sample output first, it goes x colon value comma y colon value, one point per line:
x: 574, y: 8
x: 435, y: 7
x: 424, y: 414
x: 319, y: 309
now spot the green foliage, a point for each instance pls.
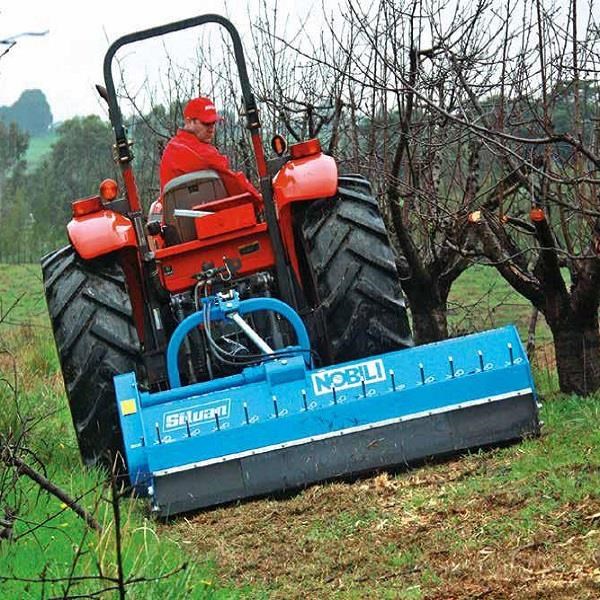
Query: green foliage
x: 13, y: 208
x: 13, y: 145
x: 150, y: 132
x: 40, y: 199
x: 79, y: 160
x: 31, y: 112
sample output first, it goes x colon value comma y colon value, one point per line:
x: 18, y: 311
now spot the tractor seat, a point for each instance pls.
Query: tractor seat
x: 187, y: 191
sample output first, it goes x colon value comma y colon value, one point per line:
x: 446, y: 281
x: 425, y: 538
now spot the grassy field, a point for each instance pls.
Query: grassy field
x: 38, y: 147
x: 518, y: 522
x: 31, y: 385
x: 480, y: 300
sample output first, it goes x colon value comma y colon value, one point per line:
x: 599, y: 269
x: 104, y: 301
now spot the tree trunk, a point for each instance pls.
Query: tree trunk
x: 430, y: 323
x: 577, y: 348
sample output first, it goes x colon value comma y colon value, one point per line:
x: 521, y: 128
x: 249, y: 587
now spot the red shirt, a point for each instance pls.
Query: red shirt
x: 185, y: 153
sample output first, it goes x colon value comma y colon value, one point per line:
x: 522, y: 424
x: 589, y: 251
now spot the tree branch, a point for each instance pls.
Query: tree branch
x: 10, y: 459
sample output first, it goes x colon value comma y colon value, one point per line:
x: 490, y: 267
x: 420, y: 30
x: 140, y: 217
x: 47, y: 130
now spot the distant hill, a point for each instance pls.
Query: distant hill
x: 31, y: 112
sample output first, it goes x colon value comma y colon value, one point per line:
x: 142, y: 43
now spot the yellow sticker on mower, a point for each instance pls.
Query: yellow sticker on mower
x: 128, y: 407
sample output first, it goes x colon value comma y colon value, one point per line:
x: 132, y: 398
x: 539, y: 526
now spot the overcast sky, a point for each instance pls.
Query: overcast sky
x: 67, y: 62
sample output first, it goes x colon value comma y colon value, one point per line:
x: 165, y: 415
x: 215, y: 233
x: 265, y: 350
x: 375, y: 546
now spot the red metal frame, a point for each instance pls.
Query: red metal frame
x: 131, y: 187
x: 128, y: 259
x: 310, y: 178
x: 250, y: 246
x: 235, y: 228
x: 98, y: 233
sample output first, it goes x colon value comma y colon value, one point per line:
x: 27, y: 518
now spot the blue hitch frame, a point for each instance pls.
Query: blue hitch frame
x: 220, y: 308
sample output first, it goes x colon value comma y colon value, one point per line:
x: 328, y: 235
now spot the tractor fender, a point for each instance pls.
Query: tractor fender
x: 312, y: 177
x: 306, y: 178
x: 100, y: 233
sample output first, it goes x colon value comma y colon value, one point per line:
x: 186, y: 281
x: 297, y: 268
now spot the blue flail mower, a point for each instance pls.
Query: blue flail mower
x: 282, y: 425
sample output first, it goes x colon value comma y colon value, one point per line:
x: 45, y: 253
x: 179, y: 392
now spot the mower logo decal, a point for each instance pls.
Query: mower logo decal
x: 347, y: 377
x: 197, y: 414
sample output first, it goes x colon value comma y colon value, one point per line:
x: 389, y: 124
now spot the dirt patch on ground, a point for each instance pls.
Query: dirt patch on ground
x: 413, y: 535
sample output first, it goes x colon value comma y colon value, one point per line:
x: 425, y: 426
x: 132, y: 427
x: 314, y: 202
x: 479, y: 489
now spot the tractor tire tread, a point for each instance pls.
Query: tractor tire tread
x: 347, y: 250
x: 359, y: 197
x: 364, y: 221
x: 96, y: 339
x: 63, y: 266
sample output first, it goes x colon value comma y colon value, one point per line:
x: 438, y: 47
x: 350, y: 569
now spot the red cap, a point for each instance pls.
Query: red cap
x: 202, y: 109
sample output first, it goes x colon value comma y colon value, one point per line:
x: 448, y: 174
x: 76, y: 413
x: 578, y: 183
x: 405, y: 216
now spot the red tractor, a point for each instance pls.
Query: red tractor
x: 315, y: 240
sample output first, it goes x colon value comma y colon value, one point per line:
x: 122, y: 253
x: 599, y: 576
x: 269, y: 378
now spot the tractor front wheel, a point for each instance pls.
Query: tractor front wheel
x: 347, y: 254
x: 96, y: 339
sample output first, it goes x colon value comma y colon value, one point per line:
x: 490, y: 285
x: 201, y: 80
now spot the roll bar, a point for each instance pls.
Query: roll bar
x: 116, y: 119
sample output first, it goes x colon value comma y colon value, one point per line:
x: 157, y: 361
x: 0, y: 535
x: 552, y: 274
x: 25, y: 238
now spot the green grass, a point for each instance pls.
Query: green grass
x: 33, y: 403
x: 480, y: 299
x: 39, y: 147
x: 21, y: 297
x: 404, y: 558
x: 482, y: 524
x: 541, y: 475
x: 343, y: 525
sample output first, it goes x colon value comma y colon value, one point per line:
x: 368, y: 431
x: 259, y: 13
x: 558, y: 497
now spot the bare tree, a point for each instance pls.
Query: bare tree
x: 301, y: 96
x: 489, y: 115
x: 401, y: 90
x: 544, y: 132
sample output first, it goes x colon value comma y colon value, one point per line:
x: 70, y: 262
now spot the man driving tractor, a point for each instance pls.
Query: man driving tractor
x: 191, y: 149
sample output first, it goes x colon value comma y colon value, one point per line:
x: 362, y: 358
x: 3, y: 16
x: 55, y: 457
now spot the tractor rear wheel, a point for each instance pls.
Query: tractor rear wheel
x: 96, y: 339
x: 348, y: 256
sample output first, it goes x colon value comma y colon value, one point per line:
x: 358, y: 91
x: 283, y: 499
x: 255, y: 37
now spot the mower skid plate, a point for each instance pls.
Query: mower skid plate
x: 281, y: 426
